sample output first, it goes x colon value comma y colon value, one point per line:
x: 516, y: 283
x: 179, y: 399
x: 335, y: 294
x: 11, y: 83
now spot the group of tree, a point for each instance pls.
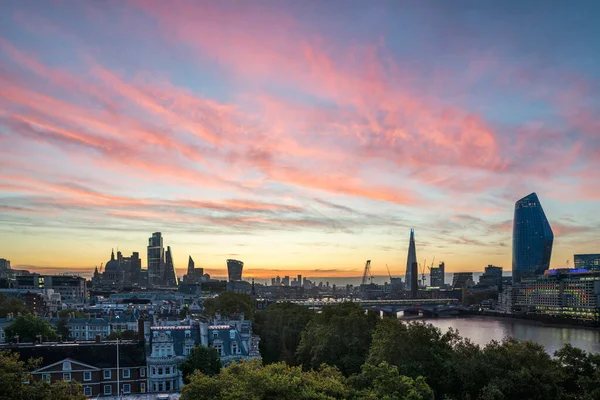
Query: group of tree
x: 229, y: 303
x: 12, y: 305
x: 253, y: 381
x: 30, y: 328
x: 16, y: 383
x: 355, y: 342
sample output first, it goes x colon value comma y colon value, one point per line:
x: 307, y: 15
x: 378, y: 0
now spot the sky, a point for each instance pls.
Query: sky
x: 297, y: 136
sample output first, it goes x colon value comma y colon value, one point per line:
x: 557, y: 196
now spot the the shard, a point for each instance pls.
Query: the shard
x: 532, y: 239
x: 412, y: 269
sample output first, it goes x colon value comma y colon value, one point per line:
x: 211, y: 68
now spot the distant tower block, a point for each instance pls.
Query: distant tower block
x: 234, y: 270
x: 412, y: 259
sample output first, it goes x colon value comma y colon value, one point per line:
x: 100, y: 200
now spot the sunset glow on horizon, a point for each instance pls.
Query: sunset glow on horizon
x: 299, y: 137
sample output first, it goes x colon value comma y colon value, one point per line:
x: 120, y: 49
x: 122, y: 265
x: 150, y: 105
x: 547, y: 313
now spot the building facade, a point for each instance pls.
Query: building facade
x: 590, y: 262
x: 234, y: 270
x: 532, y: 239
x: 119, y: 272
x: 411, y: 261
x: 563, y: 292
x: 72, y: 288
x: 492, y: 277
x: 94, y: 365
x: 156, y: 259
x: 437, y: 276
x: 461, y: 280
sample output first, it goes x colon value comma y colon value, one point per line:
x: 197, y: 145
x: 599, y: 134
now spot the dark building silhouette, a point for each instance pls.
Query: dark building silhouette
x: 156, y: 259
x: 234, y: 270
x: 170, y: 278
x: 491, y: 277
x: 414, y: 280
x: 590, y: 262
x: 437, y: 278
x: 532, y: 239
x: 191, y: 267
x: 461, y: 280
x: 412, y: 259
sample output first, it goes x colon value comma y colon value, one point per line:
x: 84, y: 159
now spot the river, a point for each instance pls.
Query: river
x: 481, y: 330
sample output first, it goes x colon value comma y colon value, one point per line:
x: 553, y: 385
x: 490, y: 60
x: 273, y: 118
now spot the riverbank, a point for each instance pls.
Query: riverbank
x: 540, y: 320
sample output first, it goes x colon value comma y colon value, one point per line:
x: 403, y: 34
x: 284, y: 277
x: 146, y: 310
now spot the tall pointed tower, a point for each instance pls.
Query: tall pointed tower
x: 191, y: 266
x: 411, y: 262
x: 170, y: 276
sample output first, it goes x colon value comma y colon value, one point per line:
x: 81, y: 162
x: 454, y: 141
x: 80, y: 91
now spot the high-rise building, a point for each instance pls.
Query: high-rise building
x: 5, y: 270
x: 532, y: 239
x: 156, y: 259
x: 191, y: 264
x: 299, y: 280
x: 170, y: 278
x: 278, y: 280
x: 234, y: 270
x: 411, y: 261
x: 491, y: 277
x: 286, y: 281
x: 461, y: 280
x: 591, y: 262
x: 437, y: 277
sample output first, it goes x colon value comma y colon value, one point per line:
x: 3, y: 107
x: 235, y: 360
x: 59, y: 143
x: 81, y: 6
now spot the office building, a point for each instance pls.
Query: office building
x: 562, y: 292
x: 72, y: 288
x: 156, y: 260
x: 286, y: 281
x: 234, y: 270
x: 460, y: 280
x: 532, y: 239
x: 491, y: 278
x: 437, y: 277
x: 5, y: 270
x: 170, y: 278
x: 590, y: 262
x: 412, y: 269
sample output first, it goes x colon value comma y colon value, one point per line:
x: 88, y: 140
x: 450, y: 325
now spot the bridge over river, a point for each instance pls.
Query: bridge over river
x: 427, y: 307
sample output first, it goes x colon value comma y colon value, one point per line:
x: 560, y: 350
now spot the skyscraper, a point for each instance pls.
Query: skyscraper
x: 412, y: 259
x: 170, y: 278
x: 156, y: 259
x: 191, y: 265
x: 532, y: 239
x: 437, y: 275
x: 234, y: 270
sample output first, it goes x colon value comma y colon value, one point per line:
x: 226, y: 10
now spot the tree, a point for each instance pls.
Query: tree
x: 124, y: 335
x: 280, y: 329
x: 581, y: 373
x: 228, y: 303
x: 418, y: 349
x: 340, y: 336
x: 203, y: 359
x: 385, y: 382
x: 29, y: 327
x: 250, y: 380
x: 11, y: 305
x: 13, y: 374
x: 62, y: 329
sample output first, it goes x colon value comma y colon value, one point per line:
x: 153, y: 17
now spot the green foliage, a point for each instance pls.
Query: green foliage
x: 340, y: 336
x: 417, y: 349
x: 66, y: 313
x: 581, y: 373
x: 124, y: 335
x: 249, y: 380
x: 385, y: 382
x: 28, y: 327
x: 62, y: 329
x: 13, y: 374
x: 11, y: 305
x: 280, y: 328
x: 228, y: 303
x: 203, y: 359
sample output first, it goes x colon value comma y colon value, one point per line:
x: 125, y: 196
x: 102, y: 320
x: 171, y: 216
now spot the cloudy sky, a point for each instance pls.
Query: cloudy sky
x: 299, y: 136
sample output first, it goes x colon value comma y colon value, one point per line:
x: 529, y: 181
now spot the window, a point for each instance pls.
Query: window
x: 127, y: 388
x: 87, y: 376
x: 46, y: 377
x: 67, y: 377
x: 153, y: 371
x: 107, y: 389
x: 215, y: 335
x: 160, y: 371
x: 126, y: 373
x: 107, y: 374
x: 187, y: 350
x: 219, y: 348
x: 234, y: 348
x: 142, y: 372
x: 87, y: 391
x: 143, y: 387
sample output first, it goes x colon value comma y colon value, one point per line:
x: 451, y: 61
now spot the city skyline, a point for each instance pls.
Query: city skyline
x: 296, y: 143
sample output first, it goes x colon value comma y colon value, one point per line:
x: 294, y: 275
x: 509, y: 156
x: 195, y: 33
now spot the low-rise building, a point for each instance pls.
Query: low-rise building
x: 94, y: 365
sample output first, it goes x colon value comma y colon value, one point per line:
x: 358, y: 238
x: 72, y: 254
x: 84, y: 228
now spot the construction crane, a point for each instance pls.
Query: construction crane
x: 388, y: 269
x: 367, y: 273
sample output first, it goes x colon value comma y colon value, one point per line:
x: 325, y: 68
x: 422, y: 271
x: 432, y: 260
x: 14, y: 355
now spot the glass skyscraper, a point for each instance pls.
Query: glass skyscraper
x: 532, y: 239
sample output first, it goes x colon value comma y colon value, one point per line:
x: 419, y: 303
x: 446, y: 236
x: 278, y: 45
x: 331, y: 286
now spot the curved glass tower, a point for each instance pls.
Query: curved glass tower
x: 532, y: 239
